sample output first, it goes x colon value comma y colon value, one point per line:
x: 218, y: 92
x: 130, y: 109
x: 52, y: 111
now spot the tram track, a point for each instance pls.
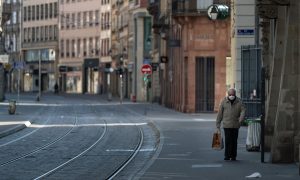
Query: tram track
x: 44, y: 146
x: 28, y: 134
x: 62, y: 165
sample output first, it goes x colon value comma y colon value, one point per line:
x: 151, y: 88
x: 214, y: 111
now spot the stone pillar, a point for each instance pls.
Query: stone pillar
x: 1, y: 83
x: 282, y: 150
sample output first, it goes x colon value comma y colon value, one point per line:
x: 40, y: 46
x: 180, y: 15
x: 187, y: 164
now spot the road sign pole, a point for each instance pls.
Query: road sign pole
x: 19, y: 74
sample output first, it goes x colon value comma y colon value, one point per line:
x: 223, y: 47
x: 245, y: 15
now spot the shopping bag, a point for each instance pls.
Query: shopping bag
x: 217, y: 142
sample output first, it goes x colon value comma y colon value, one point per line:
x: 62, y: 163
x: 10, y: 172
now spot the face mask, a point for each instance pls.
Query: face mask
x: 231, y: 97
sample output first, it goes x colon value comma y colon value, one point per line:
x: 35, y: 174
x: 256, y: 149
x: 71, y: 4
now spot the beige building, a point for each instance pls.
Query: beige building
x: 119, y: 47
x: 82, y: 46
x: 39, y: 43
x: 280, y: 36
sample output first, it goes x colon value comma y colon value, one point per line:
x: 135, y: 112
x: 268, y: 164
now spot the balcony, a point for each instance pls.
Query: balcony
x: 153, y: 7
x: 190, y: 7
x: 6, y: 12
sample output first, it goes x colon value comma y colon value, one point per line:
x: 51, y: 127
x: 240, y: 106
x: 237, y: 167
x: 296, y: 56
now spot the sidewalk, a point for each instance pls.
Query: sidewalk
x: 185, y: 151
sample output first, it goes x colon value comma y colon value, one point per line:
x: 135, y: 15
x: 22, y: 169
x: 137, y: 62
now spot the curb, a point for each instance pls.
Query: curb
x: 13, y: 130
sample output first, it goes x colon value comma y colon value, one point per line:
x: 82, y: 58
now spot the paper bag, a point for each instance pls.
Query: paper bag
x: 217, y: 142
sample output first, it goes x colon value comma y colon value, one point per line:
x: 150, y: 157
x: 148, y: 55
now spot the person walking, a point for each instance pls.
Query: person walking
x: 231, y: 114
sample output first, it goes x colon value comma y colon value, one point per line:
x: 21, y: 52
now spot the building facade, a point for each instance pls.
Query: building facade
x: 280, y: 58
x: 12, y: 45
x: 193, y: 54
x: 39, y: 44
x: 105, y: 38
x: 80, y: 46
x: 141, y: 42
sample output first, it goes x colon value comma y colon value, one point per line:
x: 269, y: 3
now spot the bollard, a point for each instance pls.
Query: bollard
x: 12, y: 107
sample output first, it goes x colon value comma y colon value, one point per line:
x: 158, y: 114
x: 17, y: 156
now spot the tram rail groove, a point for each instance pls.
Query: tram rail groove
x: 28, y: 134
x: 76, y: 157
x: 44, y: 146
x: 133, y: 155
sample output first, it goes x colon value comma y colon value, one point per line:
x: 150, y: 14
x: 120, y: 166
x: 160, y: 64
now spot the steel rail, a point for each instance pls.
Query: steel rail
x: 133, y: 155
x: 44, y: 146
x: 76, y: 157
x: 28, y: 134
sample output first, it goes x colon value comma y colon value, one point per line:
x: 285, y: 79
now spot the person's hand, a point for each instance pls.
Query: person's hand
x: 218, y: 130
x: 240, y: 120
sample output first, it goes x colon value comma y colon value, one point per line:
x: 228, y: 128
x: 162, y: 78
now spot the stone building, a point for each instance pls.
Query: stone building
x: 80, y: 45
x: 12, y: 45
x: 193, y: 50
x: 39, y: 44
x: 280, y: 24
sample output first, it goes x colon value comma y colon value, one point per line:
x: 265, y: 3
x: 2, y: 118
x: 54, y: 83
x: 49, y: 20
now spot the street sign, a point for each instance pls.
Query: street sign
x: 146, y: 69
x: 245, y: 31
x: 154, y: 66
x: 19, y: 65
x: 3, y: 59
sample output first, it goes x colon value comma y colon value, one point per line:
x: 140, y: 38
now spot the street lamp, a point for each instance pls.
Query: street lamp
x: 218, y: 12
x: 212, y: 12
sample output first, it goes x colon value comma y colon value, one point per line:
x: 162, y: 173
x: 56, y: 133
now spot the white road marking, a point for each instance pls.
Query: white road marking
x: 129, y: 150
x: 204, y: 120
x: 207, y: 165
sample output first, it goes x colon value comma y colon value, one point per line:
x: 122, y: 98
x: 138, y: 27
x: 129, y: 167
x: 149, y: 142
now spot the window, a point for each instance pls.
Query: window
x: 97, y: 46
x: 55, y: 29
x: 73, y: 20
x: 55, y: 9
x: 42, y: 33
x: 37, y: 12
x: 29, y: 13
x: 90, y: 46
x: 62, y: 48
x: 25, y: 35
x: 28, y: 34
x: 33, y: 34
x: 67, y: 48
x: 84, y: 47
x: 33, y: 12
x: 79, y: 20
x: 68, y: 21
x: 51, y: 10
x: 97, y: 18
x: 42, y: 11
x: 84, y: 19
x: 73, y: 47
x: 46, y: 11
x: 14, y: 43
x: 37, y: 34
x: 14, y: 17
x: 50, y: 32
x: 46, y: 33
x: 25, y: 13
x: 62, y: 21
x: 78, y: 47
x: 91, y: 19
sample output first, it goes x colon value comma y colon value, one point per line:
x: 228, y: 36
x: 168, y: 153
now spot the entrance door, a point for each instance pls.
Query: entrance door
x: 205, y: 84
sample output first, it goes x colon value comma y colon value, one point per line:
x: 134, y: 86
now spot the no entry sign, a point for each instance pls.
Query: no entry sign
x: 146, y: 69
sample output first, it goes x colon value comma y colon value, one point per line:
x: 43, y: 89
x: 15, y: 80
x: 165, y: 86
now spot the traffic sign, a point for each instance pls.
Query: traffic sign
x: 146, y: 69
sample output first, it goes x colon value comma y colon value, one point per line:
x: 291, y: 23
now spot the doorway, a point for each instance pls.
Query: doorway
x: 205, y: 84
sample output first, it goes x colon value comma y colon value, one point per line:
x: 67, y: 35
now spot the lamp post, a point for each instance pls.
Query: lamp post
x: 218, y: 11
x: 39, y: 93
x: 121, y: 79
x: 214, y: 13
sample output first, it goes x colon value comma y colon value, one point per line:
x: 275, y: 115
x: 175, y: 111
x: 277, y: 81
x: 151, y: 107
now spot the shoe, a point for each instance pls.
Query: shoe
x: 226, y: 159
x: 233, y: 159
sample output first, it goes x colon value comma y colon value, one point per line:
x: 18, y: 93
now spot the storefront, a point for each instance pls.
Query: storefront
x: 46, y: 57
